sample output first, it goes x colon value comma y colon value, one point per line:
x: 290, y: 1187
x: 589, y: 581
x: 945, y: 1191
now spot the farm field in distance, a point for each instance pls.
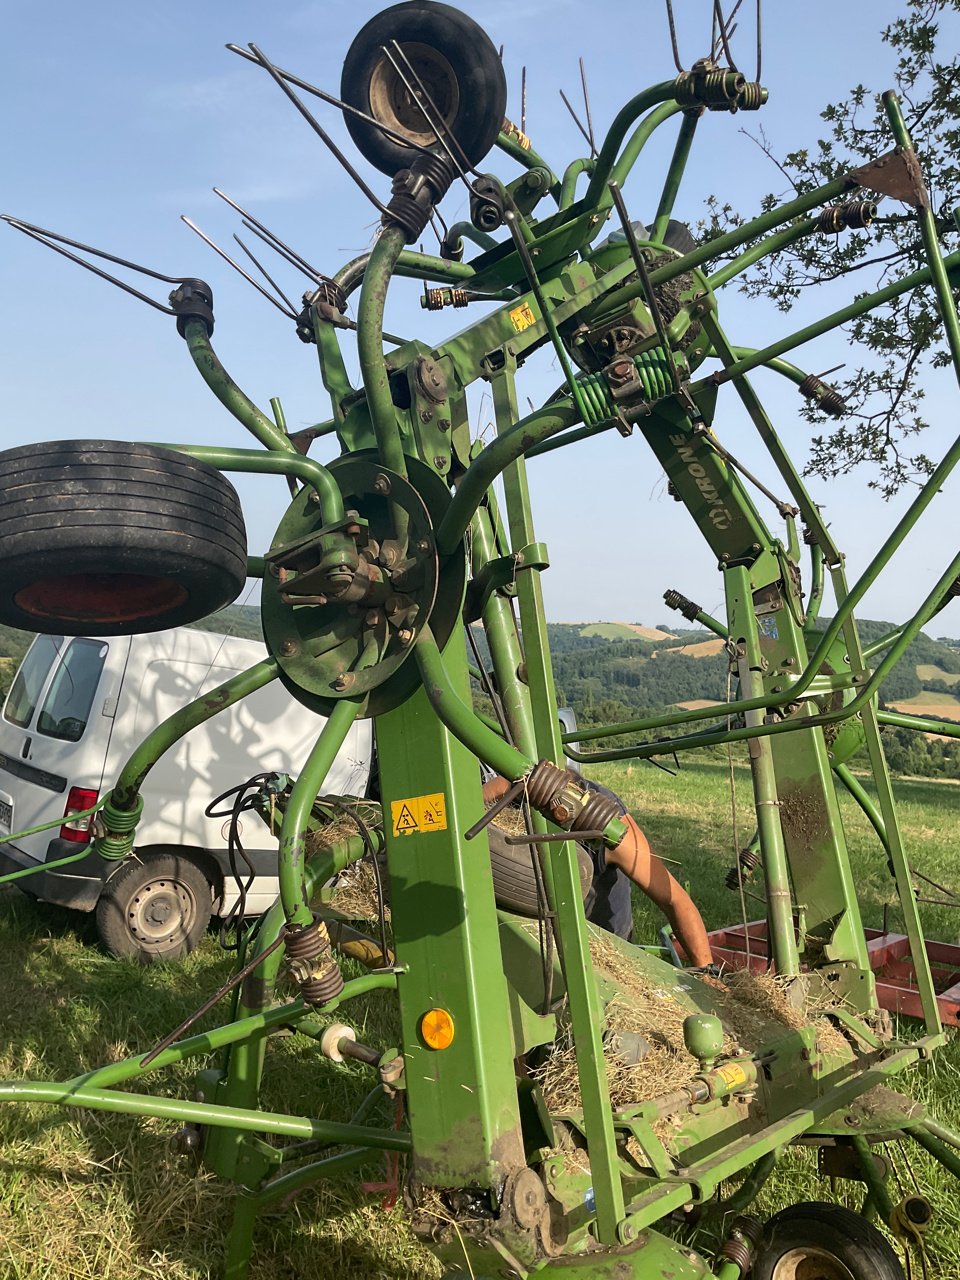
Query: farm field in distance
x: 100, y: 1197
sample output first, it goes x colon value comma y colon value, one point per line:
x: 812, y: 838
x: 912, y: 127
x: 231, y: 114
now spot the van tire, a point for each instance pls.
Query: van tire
x: 103, y: 537
x: 514, y: 882
x: 154, y: 909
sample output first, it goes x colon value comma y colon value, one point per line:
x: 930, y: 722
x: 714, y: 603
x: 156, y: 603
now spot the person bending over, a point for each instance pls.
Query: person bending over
x: 608, y: 902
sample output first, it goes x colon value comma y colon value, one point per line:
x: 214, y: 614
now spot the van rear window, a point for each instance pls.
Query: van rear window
x: 30, y: 679
x: 66, y: 708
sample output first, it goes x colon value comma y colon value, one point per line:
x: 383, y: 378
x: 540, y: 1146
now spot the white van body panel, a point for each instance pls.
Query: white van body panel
x: 145, y: 679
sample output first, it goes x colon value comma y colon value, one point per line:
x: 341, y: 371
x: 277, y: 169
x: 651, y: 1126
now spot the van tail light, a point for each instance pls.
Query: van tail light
x: 78, y: 829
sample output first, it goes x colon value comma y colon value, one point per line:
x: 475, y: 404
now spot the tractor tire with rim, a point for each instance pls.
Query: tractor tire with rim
x: 514, y: 882
x: 459, y: 66
x: 821, y: 1241
x: 101, y: 537
x: 154, y: 909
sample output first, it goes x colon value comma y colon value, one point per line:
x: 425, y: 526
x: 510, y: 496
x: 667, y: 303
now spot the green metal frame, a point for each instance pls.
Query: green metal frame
x: 474, y: 1125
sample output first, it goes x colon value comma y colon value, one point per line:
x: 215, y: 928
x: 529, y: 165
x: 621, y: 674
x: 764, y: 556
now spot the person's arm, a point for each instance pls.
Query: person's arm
x: 640, y: 864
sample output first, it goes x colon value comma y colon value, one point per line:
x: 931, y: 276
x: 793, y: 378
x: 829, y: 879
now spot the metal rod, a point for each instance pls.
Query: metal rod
x: 678, y: 164
x: 266, y: 274
x: 269, y: 236
x: 288, y: 311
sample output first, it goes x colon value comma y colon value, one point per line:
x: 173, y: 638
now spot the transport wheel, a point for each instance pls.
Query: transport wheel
x: 106, y: 538
x: 155, y: 909
x: 514, y: 882
x: 820, y: 1241
x: 458, y: 66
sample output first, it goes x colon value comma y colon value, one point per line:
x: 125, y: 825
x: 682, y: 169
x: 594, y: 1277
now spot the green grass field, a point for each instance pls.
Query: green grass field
x: 88, y: 1196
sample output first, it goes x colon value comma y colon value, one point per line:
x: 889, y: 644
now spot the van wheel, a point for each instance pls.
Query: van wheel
x: 104, y: 538
x: 155, y: 909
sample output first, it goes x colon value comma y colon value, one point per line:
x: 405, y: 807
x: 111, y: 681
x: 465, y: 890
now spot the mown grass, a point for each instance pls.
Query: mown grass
x: 91, y: 1196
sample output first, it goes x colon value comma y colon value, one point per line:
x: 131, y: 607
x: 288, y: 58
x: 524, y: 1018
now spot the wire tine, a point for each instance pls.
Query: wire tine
x: 523, y: 99
x: 576, y: 120
x: 673, y: 37
x: 34, y: 234
x: 759, y: 39
x: 724, y: 35
x: 322, y: 94
x: 586, y: 104
x: 291, y: 314
x: 318, y: 129
x: 439, y: 129
x: 270, y: 236
x: 264, y: 272
x: 38, y: 232
x: 315, y: 278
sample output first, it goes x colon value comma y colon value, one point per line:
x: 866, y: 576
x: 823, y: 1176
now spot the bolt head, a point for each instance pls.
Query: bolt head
x: 381, y: 484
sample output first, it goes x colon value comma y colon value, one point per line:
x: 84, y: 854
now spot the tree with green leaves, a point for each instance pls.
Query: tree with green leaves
x: 902, y: 339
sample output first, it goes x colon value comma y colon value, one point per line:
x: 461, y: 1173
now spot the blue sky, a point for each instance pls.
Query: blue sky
x: 122, y: 116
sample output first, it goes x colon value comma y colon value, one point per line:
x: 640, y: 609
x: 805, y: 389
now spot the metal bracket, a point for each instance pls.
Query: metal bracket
x: 897, y: 174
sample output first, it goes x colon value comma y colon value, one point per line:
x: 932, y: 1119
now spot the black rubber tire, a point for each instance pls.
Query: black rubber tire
x: 474, y: 114
x: 154, y: 909
x: 102, y: 537
x: 833, y: 1235
x: 514, y: 882
x: 679, y: 236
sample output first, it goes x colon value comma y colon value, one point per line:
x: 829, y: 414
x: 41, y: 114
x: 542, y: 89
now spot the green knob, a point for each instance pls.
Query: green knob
x: 703, y: 1036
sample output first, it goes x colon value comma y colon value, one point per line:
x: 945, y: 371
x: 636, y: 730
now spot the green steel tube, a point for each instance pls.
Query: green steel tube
x: 163, y: 737
x: 306, y: 469
x: 203, y: 1113
x: 415, y: 266
x: 942, y: 1132
x: 876, y: 1185
x: 568, y: 187
x: 729, y: 1271
x: 751, y: 1186
x: 878, y: 646
x: 466, y: 230
x: 763, y: 355
x: 712, y: 624
x: 287, y: 1184
x: 678, y: 164
x: 293, y: 832
x: 460, y: 719
x: 227, y: 391
x: 758, y: 226
x: 899, y: 720
x: 771, y: 244
x: 863, y: 800
x: 866, y: 692
x: 631, y: 152
x: 373, y: 369
x: 618, y: 131
x: 24, y: 872
x: 498, y: 455
x: 501, y: 631
x: 941, y: 1152
x: 526, y: 156
x: 783, y: 367
x: 817, y: 583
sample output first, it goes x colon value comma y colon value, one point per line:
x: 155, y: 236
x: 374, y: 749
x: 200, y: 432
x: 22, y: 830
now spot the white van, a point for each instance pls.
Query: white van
x: 78, y: 707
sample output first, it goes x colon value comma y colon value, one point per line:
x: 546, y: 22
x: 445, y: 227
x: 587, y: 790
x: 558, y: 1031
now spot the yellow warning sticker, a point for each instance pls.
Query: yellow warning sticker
x: 522, y: 317
x: 419, y: 813
x: 732, y: 1075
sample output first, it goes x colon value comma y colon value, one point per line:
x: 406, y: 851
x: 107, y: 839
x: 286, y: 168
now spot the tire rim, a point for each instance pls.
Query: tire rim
x: 161, y: 914
x: 392, y: 103
x: 811, y: 1263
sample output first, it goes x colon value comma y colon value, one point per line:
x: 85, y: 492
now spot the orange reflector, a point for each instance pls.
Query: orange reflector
x: 436, y: 1027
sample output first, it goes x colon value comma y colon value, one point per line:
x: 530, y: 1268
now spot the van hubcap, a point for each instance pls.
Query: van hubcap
x: 161, y: 913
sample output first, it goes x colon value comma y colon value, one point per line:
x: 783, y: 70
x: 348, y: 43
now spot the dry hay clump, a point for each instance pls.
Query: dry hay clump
x: 355, y: 893
x: 745, y: 1003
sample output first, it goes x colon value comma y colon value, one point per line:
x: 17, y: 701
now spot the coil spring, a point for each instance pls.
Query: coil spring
x: 437, y: 299
x: 119, y: 828
x: 674, y: 600
x: 752, y: 96
x: 416, y: 190
x: 304, y: 946
x: 655, y: 378
x: 554, y: 792
x: 823, y: 395
x: 855, y: 215
x: 747, y: 863
x: 741, y: 1244
x: 330, y: 292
